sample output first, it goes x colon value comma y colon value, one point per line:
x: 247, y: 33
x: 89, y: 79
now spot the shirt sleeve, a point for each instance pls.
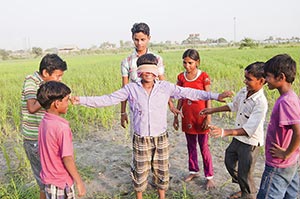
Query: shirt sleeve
x: 289, y: 112
x: 206, y: 79
x: 160, y: 65
x: 125, y: 68
x: 105, y: 100
x: 192, y: 94
x: 66, y: 144
x: 234, y: 105
x: 30, y: 89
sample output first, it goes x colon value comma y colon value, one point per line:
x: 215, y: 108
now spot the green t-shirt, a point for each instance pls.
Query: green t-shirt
x: 31, y: 122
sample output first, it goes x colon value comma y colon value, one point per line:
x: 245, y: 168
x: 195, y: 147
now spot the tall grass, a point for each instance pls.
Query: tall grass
x: 98, y: 75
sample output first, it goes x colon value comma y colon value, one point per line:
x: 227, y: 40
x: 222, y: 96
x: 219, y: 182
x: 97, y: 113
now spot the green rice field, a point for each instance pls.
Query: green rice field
x: 100, y: 74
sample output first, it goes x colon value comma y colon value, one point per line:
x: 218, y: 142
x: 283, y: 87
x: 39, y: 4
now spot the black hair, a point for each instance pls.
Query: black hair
x: 52, y: 62
x: 256, y: 69
x: 191, y: 53
x: 51, y: 91
x: 140, y: 27
x: 282, y: 63
x: 147, y: 58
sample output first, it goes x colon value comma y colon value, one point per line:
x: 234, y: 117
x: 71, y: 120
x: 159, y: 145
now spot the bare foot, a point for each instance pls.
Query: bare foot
x: 210, y: 184
x: 235, y: 195
x: 191, y: 177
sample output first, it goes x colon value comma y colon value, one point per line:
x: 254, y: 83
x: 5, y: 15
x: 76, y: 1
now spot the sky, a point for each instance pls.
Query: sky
x: 86, y: 23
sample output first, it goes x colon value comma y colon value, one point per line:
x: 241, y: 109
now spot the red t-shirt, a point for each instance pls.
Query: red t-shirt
x: 192, y: 121
x: 55, y: 142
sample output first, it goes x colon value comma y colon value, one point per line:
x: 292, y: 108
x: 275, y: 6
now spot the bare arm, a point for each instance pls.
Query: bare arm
x: 71, y: 168
x: 124, y: 117
x: 219, y: 132
x: 215, y: 110
x: 282, y: 153
x: 207, y: 120
x: 176, y: 121
x: 33, y: 105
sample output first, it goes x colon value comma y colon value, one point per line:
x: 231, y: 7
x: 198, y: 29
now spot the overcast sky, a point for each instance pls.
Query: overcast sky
x: 56, y: 23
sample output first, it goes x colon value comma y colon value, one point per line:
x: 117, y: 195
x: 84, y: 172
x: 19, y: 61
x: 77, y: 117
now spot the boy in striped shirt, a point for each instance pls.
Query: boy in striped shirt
x: 51, y: 68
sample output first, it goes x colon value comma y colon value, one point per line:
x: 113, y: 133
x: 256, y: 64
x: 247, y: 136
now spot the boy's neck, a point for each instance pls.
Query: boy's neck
x: 284, y: 88
x: 54, y: 112
x: 148, y: 86
x: 141, y: 52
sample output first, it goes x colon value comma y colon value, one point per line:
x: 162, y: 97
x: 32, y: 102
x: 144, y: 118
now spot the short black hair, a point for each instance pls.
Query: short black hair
x: 52, y: 62
x: 282, y: 63
x: 147, y: 58
x: 256, y: 69
x: 140, y: 27
x: 51, y: 91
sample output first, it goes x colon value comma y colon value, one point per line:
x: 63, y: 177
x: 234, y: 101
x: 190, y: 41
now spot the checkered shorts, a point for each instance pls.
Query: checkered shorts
x: 54, y: 192
x: 150, y: 153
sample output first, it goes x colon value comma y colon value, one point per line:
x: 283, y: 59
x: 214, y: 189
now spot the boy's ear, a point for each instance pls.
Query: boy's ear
x: 282, y: 77
x: 263, y: 81
x: 45, y: 73
x: 56, y: 104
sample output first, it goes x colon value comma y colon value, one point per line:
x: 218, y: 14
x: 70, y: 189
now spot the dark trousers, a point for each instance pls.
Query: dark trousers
x: 240, y: 159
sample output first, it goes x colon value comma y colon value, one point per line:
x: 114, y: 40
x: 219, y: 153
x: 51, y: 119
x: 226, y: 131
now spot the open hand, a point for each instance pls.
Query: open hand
x: 74, y: 100
x: 223, y: 95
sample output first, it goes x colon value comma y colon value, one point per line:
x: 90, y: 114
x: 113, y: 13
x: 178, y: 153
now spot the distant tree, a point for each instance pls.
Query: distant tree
x: 37, y: 51
x: 221, y: 40
x: 248, y: 42
x: 4, y: 54
x: 192, y: 39
x: 51, y: 50
x: 107, y: 45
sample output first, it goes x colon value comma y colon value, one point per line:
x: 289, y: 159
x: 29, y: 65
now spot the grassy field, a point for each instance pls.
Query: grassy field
x: 98, y: 75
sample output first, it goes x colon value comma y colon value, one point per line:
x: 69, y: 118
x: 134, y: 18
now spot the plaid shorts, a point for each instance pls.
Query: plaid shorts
x: 150, y: 153
x: 54, y: 192
x: 32, y: 151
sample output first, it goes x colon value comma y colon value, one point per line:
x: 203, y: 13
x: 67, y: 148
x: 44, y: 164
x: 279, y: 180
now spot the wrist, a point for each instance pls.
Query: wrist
x: 123, y: 113
x: 222, y: 132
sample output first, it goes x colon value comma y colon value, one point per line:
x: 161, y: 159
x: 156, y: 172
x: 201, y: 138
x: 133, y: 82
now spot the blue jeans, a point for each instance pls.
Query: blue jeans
x: 279, y: 183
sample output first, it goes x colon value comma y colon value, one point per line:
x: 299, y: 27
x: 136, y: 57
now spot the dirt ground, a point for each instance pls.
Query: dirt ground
x: 107, y: 155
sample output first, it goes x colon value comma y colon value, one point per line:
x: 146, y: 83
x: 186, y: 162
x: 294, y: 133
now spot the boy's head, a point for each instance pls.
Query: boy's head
x: 140, y: 36
x: 254, y: 77
x: 281, y: 66
x: 256, y: 69
x: 140, y: 27
x: 52, y: 67
x: 54, y: 95
x: 147, y: 63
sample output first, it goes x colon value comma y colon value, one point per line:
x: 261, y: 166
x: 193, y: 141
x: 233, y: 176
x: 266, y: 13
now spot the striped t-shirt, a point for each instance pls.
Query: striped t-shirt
x: 31, y: 122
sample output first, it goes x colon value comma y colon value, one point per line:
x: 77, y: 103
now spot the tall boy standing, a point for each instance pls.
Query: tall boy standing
x: 55, y: 144
x: 280, y: 178
x: 250, y: 105
x: 141, y: 38
x: 52, y: 67
x: 148, y: 101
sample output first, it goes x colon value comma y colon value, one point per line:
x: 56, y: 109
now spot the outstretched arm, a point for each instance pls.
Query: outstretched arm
x: 208, y: 111
x: 220, y: 132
